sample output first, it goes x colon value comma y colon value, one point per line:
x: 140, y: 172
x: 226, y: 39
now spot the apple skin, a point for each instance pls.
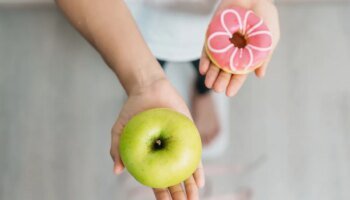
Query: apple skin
x: 167, y: 164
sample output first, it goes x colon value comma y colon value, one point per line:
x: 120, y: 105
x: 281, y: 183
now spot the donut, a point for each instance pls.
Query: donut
x: 238, y: 41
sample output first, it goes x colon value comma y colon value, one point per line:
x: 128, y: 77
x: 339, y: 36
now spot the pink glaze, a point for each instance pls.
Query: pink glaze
x: 230, y: 57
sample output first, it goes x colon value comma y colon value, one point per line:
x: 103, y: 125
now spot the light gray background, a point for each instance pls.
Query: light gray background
x: 290, y: 132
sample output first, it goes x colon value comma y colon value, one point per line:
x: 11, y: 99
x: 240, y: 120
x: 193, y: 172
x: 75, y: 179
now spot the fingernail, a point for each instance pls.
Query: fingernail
x: 117, y: 170
x: 262, y: 75
x: 231, y: 94
x: 201, y: 72
x: 201, y: 184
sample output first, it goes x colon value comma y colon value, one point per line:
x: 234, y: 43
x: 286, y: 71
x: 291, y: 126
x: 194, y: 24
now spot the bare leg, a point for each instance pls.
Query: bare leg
x: 203, y: 109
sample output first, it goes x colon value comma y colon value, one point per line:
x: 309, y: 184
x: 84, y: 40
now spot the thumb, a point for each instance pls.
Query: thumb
x: 261, y: 71
x: 116, y: 132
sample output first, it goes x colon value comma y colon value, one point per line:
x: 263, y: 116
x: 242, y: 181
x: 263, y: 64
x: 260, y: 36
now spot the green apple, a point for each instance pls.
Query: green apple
x: 160, y: 147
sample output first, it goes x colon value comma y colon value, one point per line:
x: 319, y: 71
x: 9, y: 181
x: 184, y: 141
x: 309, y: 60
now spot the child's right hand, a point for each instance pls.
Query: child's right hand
x: 158, y: 94
x: 221, y: 81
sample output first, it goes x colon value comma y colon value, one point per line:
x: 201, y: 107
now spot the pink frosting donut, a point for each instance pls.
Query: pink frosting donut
x: 238, y: 41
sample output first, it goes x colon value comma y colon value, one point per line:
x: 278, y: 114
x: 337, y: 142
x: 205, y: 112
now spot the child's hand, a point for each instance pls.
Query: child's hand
x: 221, y: 81
x: 158, y: 94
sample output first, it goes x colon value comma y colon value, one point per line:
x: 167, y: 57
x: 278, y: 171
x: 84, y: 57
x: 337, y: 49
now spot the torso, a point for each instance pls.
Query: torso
x: 174, y: 29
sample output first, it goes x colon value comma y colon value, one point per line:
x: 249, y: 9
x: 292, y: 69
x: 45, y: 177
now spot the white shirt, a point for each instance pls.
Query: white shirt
x: 173, y: 29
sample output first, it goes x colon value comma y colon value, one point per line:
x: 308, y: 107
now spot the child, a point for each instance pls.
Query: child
x: 174, y: 31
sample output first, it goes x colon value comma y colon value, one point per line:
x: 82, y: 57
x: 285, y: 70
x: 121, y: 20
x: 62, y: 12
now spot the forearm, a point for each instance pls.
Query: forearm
x: 110, y: 28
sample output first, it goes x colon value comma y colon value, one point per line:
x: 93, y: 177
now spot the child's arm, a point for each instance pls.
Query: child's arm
x: 221, y: 81
x: 110, y: 28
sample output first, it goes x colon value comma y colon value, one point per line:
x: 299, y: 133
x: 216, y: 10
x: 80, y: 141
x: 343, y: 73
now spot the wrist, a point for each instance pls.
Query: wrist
x: 142, y: 76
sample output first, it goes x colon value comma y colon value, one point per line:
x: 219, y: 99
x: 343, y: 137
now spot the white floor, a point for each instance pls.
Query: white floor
x: 290, y: 132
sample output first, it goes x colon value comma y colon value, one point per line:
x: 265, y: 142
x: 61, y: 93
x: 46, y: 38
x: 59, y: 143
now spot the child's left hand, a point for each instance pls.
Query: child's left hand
x: 221, y: 81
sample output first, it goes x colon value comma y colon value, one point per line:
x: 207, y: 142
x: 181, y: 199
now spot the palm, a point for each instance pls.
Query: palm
x: 159, y: 94
x: 221, y: 81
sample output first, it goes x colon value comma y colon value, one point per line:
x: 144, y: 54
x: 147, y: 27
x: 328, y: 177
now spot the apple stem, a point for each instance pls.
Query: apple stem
x: 159, y: 142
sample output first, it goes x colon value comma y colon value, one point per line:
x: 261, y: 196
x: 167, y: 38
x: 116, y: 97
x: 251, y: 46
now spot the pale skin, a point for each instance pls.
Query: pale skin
x: 110, y: 28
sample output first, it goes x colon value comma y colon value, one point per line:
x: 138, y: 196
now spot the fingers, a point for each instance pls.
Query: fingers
x: 235, y: 84
x: 204, y: 63
x: 191, y: 186
x: 211, y: 76
x: 116, y: 132
x: 222, y: 81
x: 118, y: 166
x: 161, y: 194
x: 261, y: 71
x: 199, y: 176
x: 177, y: 193
x: 191, y: 189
